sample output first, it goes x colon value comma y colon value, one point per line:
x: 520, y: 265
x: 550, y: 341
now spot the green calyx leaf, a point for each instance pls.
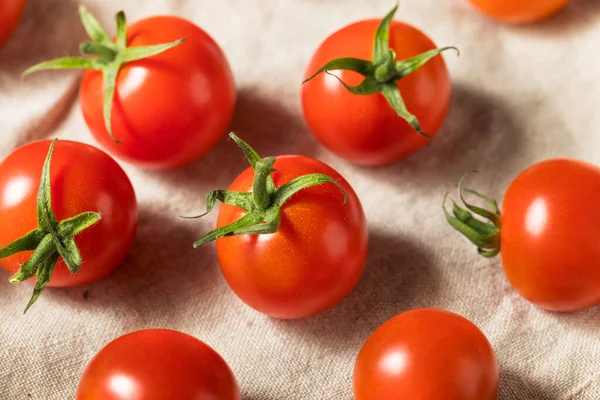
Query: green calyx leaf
x: 483, y: 233
x: 392, y: 94
x: 43, y: 275
x: 93, y: 28
x: 382, y: 73
x: 369, y: 85
x: 381, y: 45
x: 245, y: 201
x: 50, y: 240
x: 410, y: 65
x: 284, y: 192
x: 263, y: 204
x: 252, y: 157
x: 363, y: 67
x: 105, y: 56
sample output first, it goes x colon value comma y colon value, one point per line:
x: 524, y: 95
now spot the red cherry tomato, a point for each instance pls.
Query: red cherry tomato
x: 169, y: 109
x: 520, y: 11
x: 314, y: 259
x: 426, y: 354
x: 545, y: 233
x: 549, y: 244
x: 82, y: 179
x: 364, y: 129
x: 157, y: 364
x: 10, y: 14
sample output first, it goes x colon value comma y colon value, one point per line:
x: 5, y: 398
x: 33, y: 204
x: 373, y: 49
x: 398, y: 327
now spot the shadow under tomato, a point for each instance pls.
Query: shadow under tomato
x: 269, y: 126
x: 578, y: 16
x: 587, y: 321
x: 161, y: 273
x: 478, y: 133
x: 513, y: 385
x: 399, y: 276
x: 580, y: 332
x: 259, y: 119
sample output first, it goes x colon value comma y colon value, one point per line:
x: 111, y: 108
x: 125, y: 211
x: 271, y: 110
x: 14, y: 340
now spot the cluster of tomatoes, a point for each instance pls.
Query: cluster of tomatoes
x: 375, y: 91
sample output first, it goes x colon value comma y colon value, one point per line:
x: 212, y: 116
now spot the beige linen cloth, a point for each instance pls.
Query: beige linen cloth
x: 521, y: 95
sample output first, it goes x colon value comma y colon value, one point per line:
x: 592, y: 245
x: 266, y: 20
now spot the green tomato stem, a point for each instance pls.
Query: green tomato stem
x: 50, y: 240
x: 383, y: 71
x: 483, y: 234
x: 263, y: 205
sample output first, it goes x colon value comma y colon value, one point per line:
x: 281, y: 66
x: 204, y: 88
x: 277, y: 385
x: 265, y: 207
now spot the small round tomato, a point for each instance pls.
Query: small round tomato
x: 82, y: 179
x: 316, y: 257
x: 303, y: 250
x: 520, y: 11
x: 169, y: 109
x: 426, y: 354
x: 546, y: 233
x: 160, y: 95
x: 10, y: 14
x: 549, y: 246
x: 157, y: 364
x: 365, y: 128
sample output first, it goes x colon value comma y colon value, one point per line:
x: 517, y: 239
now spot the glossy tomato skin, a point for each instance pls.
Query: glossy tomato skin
x: 426, y: 354
x: 316, y: 257
x: 169, y: 109
x: 10, y: 15
x: 520, y: 11
x: 364, y: 129
x: 157, y: 364
x: 549, y: 242
x: 82, y: 178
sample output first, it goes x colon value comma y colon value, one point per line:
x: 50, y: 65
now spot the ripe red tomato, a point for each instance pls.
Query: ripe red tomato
x: 520, y: 11
x: 169, y: 109
x: 157, y: 364
x: 545, y: 233
x: 10, y: 14
x: 364, y: 129
x: 549, y: 244
x: 314, y: 259
x: 426, y: 354
x: 82, y: 179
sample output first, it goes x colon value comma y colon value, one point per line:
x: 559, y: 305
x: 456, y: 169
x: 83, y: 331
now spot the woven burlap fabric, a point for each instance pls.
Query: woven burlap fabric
x: 521, y: 94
